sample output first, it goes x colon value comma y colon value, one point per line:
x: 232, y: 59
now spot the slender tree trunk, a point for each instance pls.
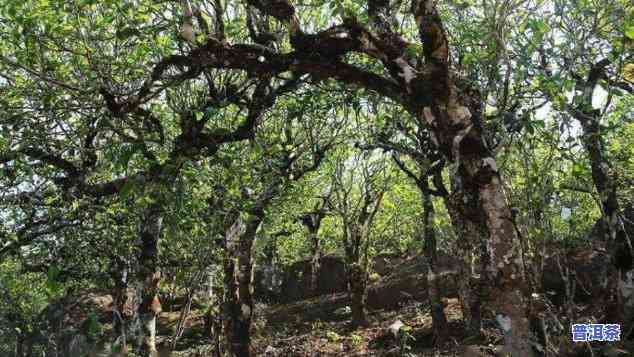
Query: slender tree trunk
x: 619, y: 304
x: 439, y: 320
x: 213, y: 321
x: 19, y: 345
x: 357, y: 245
x: 357, y: 285
x: 213, y: 325
x: 312, y: 222
x: 149, y: 276
x: 315, y: 265
x: 120, y: 276
x: 237, y: 319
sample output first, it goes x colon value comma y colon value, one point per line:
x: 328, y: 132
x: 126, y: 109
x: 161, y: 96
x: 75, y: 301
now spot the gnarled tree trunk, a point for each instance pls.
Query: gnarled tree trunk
x: 120, y: 277
x: 427, y: 88
x: 471, y: 231
x: 312, y: 222
x: 454, y: 117
x: 620, y: 275
x: 238, y: 300
x: 453, y: 112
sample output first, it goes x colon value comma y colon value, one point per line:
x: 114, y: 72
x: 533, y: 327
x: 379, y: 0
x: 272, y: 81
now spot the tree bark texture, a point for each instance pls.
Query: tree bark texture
x: 356, y: 245
x: 620, y: 276
x: 238, y: 269
x: 357, y: 285
x: 453, y: 112
x: 312, y: 222
x: 470, y: 231
x: 149, y: 277
x: 439, y: 320
x: 315, y: 261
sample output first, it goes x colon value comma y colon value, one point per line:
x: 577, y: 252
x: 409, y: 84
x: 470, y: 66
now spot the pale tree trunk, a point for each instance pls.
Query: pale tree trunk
x: 453, y: 113
x: 148, y: 274
x: 471, y: 269
x: 456, y: 130
x: 149, y: 278
x: 120, y: 277
x: 312, y: 222
x: 213, y: 319
x: 315, y: 265
x: 439, y: 320
x: 213, y: 322
x: 505, y: 270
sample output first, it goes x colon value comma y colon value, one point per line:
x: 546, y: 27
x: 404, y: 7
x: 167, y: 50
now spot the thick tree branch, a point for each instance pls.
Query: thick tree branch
x: 435, y: 44
x: 316, y: 55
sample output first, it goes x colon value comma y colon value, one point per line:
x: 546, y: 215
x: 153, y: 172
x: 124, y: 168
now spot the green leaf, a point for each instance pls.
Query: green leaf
x: 629, y: 32
x: 53, y: 287
x: 53, y: 273
x: 126, y: 189
x: 540, y: 26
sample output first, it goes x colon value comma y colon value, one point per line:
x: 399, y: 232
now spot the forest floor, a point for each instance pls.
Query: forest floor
x: 320, y: 327
x: 324, y: 330
x: 332, y: 334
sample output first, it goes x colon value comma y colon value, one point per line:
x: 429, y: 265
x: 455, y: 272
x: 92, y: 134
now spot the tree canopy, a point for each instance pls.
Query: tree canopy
x: 155, y: 150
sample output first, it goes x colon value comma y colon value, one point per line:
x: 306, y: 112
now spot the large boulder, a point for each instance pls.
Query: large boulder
x: 267, y: 283
x: 274, y: 285
x: 408, y: 282
x: 331, y: 279
x: 405, y: 283
x: 79, y: 323
x: 400, y: 278
x: 385, y: 263
x: 584, y: 264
